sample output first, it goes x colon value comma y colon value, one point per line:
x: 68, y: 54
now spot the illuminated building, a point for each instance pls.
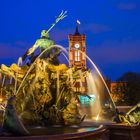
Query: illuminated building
x: 77, y: 57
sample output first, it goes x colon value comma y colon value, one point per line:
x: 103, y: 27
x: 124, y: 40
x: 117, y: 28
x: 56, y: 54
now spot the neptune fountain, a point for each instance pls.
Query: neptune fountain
x: 39, y: 94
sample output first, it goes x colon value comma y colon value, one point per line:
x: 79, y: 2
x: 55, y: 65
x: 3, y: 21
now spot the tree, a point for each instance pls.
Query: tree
x: 132, y: 90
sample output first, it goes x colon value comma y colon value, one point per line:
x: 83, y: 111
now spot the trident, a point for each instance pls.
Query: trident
x: 60, y: 17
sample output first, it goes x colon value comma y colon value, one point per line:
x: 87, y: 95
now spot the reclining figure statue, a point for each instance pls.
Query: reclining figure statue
x: 132, y: 117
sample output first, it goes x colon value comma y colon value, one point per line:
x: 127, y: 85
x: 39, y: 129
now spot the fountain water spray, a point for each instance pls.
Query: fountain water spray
x: 93, y: 64
x: 29, y: 70
x: 18, y: 64
x: 101, y: 78
x: 3, y: 80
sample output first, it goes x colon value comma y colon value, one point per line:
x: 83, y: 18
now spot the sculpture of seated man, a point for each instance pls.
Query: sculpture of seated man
x: 44, y: 42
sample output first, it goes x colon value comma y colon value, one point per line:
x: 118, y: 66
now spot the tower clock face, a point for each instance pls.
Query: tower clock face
x: 76, y: 45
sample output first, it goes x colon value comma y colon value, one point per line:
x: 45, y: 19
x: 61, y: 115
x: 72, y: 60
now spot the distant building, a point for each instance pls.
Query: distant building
x: 117, y: 90
x: 117, y: 87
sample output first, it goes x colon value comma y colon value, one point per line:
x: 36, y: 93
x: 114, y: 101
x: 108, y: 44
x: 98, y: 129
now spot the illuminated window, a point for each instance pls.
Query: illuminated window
x: 77, y: 55
x: 71, y: 58
x: 83, y: 56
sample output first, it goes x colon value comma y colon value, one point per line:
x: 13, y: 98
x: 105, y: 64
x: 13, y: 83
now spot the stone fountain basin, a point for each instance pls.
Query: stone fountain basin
x: 58, y: 132
x: 124, y: 132
x: 88, y: 130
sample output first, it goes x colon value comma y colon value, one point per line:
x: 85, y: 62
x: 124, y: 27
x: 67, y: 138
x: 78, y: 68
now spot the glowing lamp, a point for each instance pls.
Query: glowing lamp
x: 1, y: 99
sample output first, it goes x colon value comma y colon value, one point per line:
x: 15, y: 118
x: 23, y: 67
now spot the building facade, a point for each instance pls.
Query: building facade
x: 77, y: 50
x: 77, y: 58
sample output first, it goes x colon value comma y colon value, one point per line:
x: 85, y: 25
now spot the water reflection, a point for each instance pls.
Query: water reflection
x: 58, y: 129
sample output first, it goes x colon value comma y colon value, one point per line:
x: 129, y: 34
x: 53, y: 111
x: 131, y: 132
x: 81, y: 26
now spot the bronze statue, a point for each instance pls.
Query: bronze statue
x: 45, y: 42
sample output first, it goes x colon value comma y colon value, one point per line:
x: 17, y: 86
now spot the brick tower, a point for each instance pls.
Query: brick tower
x: 77, y: 50
x: 77, y: 57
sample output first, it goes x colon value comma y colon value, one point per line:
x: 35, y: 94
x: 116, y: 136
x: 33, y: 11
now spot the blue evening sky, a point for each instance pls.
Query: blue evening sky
x: 112, y: 28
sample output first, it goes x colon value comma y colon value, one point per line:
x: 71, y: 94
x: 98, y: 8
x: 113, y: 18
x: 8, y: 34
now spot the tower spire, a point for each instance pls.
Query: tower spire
x: 76, y: 29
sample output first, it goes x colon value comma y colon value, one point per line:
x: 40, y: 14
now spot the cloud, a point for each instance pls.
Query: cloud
x: 116, y: 52
x: 23, y: 44
x: 62, y: 34
x: 126, y: 6
x: 95, y: 28
x: 14, y: 50
x: 7, y: 51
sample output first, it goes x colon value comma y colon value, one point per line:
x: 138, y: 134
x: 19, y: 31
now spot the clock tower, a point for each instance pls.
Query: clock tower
x: 77, y: 58
x: 77, y: 50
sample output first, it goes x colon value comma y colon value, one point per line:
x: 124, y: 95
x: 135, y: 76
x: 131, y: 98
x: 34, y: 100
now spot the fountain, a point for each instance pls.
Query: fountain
x: 42, y: 102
